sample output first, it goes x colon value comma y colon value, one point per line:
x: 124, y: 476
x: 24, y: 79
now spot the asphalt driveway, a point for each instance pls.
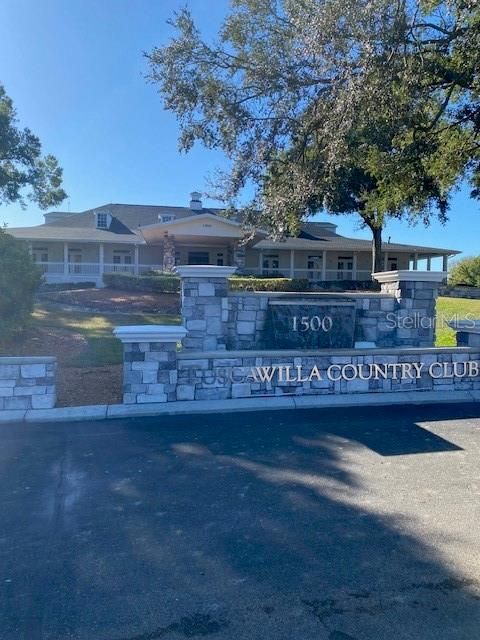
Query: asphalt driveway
x: 302, y: 525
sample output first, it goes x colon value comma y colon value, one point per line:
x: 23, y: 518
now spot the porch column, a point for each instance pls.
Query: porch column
x: 239, y: 257
x: 385, y: 261
x: 415, y: 261
x: 65, y: 258
x: 429, y: 263
x: 101, y: 258
x: 354, y: 267
x: 168, y: 253
x: 135, y: 259
x: 292, y: 263
x: 324, y: 265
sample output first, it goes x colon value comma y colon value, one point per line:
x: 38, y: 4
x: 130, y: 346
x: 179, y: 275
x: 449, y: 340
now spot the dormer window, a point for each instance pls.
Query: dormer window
x: 166, y: 217
x: 103, y: 220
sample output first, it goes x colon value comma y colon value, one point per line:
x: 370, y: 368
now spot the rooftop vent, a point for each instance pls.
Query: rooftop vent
x: 196, y: 201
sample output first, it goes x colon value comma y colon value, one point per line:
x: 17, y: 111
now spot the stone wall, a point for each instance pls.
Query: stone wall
x: 402, y: 314
x: 211, y: 376
x: 27, y: 383
x: 458, y: 291
x: 149, y: 362
x: 247, y: 314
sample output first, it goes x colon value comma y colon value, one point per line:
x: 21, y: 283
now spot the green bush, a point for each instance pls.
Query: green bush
x: 151, y: 284
x: 466, y: 271
x: 19, y: 280
x: 249, y: 283
x: 67, y: 286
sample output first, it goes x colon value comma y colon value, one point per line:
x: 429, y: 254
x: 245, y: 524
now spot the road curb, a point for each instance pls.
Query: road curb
x: 115, y: 411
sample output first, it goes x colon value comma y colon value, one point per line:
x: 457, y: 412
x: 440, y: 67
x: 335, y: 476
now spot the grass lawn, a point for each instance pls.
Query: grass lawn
x: 87, y: 339
x: 450, y: 309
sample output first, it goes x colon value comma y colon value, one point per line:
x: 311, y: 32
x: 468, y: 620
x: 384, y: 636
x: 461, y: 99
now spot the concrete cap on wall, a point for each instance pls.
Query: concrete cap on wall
x: 410, y: 276
x: 150, y: 333
x: 465, y: 326
x: 204, y: 271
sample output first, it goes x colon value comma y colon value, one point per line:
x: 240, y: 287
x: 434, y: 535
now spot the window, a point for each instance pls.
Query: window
x: 75, y: 260
x: 219, y: 259
x: 314, y: 266
x: 166, y: 217
x: 198, y: 257
x: 40, y: 254
x: 122, y: 260
x: 392, y: 264
x: 271, y: 263
x: 344, y: 268
x: 102, y: 220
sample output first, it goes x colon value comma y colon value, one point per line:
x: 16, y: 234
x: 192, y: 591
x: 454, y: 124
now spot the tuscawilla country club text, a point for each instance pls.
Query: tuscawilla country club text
x: 388, y: 371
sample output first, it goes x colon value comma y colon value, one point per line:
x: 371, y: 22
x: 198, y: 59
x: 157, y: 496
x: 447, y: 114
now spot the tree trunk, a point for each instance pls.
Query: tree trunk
x: 377, y: 262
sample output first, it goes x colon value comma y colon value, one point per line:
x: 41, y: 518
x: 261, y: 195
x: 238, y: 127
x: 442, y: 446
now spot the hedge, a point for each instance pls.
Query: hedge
x: 238, y: 283
x: 67, y: 286
x: 154, y: 284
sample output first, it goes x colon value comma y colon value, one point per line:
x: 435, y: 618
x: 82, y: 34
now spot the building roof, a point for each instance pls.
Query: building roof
x: 75, y: 234
x: 342, y: 243
x: 128, y: 221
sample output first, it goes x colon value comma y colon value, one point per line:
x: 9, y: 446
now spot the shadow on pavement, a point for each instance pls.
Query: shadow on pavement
x: 258, y: 525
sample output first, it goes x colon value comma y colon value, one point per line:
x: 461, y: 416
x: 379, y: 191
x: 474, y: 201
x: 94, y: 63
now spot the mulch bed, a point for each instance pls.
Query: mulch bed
x: 114, y: 301
x: 75, y: 385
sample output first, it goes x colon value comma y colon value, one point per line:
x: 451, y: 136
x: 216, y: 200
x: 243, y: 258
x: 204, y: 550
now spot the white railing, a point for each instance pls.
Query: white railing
x: 51, y: 267
x: 92, y: 268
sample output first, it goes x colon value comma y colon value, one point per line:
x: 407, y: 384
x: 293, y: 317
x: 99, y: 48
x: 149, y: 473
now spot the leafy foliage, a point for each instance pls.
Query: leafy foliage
x: 466, y: 271
x: 151, y: 283
x: 366, y: 107
x: 19, y: 280
x: 22, y: 166
x: 238, y: 283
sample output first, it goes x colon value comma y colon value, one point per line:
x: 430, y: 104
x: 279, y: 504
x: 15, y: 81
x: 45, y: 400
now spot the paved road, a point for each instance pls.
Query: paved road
x: 360, y: 524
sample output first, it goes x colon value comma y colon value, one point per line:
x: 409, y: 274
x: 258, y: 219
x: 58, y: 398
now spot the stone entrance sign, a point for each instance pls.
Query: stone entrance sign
x: 310, y: 324
x: 308, y: 351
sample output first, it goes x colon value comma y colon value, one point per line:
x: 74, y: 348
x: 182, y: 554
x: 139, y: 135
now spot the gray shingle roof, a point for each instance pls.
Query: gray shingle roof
x: 127, y: 219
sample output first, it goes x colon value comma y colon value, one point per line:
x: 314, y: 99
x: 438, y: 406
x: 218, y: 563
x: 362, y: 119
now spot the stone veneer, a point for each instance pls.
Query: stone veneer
x: 468, y: 332
x: 27, y: 383
x: 211, y: 376
x: 403, y: 314
x: 247, y: 314
x: 156, y: 371
x: 204, y: 300
x: 416, y: 294
x: 149, y: 362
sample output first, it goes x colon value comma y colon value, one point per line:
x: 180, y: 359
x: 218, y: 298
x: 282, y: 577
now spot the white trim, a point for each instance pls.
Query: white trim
x: 204, y: 271
x: 150, y: 333
x: 409, y: 276
x: 196, y: 216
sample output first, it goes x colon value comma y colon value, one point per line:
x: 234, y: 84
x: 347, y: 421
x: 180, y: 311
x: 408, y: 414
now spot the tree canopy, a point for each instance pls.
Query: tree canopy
x: 24, y: 172
x: 366, y: 106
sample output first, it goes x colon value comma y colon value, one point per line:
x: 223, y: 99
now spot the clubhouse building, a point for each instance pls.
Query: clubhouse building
x: 80, y: 247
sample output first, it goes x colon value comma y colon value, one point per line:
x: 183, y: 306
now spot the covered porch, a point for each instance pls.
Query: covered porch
x: 338, y: 265
x: 87, y: 262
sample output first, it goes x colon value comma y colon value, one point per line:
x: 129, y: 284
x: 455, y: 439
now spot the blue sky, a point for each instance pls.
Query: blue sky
x: 74, y: 70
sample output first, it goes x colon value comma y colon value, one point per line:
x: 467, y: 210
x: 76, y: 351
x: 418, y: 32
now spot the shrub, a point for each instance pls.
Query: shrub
x: 67, y: 286
x: 19, y: 280
x: 249, y: 283
x: 152, y: 284
x: 466, y: 272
